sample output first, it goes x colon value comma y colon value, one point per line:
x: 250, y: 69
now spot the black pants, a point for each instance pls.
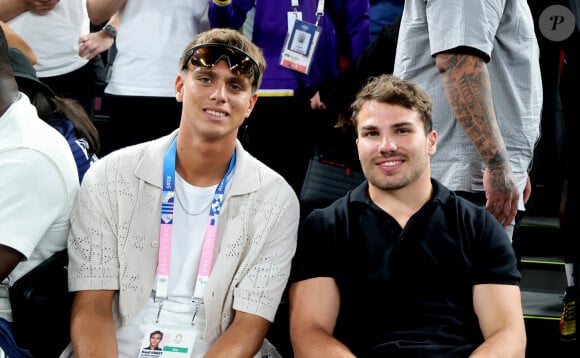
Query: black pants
x: 83, y: 84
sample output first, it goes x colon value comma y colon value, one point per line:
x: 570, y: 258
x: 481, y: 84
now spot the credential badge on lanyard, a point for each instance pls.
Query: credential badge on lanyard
x: 301, y: 39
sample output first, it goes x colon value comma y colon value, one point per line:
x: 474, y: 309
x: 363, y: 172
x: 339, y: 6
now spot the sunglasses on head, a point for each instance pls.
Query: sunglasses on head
x: 208, y: 55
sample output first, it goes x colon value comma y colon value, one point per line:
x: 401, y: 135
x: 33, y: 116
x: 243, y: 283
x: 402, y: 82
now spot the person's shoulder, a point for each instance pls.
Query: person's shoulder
x: 125, y: 158
x: 267, y: 188
x: 273, y: 183
x: 33, y: 132
x: 447, y: 197
x: 269, y: 175
x: 50, y: 145
x: 466, y: 211
x: 128, y: 164
x: 124, y: 153
x: 343, y: 207
x: 136, y: 152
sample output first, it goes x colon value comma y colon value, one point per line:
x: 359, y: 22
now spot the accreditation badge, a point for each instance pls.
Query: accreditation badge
x: 299, y: 46
x: 166, y: 342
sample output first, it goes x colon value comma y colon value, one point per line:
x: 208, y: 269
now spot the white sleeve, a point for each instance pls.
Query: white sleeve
x: 33, y: 196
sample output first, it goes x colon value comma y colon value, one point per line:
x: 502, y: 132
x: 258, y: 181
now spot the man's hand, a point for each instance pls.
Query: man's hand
x: 502, y: 194
x: 94, y: 43
x: 528, y: 190
x: 316, y: 103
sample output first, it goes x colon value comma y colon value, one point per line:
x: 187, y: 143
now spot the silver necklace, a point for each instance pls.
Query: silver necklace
x: 196, y: 202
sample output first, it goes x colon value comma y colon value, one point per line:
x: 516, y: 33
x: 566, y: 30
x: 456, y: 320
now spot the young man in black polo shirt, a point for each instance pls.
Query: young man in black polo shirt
x: 435, y: 275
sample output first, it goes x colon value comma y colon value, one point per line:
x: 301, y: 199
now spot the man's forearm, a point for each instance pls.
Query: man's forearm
x: 93, y: 339
x: 9, y: 9
x: 468, y: 89
x: 102, y: 10
x: 92, y: 330
x: 9, y: 258
x: 243, y: 338
x: 317, y: 343
x: 502, y: 344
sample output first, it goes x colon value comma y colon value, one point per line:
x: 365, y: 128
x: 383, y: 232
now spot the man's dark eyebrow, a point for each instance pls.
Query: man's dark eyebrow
x: 368, y: 127
x: 231, y: 79
x: 241, y: 81
x: 396, y: 125
x: 203, y: 70
x: 404, y: 124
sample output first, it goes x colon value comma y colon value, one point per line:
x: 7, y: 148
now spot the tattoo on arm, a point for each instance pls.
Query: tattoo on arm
x: 468, y: 90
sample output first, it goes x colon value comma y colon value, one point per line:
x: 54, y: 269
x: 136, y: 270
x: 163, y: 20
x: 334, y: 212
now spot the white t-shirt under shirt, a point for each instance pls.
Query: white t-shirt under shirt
x: 191, y: 212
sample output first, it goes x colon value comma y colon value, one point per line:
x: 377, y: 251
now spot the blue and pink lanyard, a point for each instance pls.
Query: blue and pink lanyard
x: 165, y: 232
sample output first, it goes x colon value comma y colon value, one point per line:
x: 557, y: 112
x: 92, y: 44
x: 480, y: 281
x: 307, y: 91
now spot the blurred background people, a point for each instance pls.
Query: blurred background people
x: 64, y: 114
x: 53, y: 33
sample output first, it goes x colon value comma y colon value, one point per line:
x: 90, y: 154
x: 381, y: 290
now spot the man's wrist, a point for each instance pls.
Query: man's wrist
x: 499, y: 160
x: 110, y: 30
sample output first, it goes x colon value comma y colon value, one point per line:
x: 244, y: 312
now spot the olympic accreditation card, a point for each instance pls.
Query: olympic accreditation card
x: 175, y: 342
x: 299, y: 46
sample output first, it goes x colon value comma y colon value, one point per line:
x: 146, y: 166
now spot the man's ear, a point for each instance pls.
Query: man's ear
x: 179, y: 86
x: 252, y: 103
x: 432, y: 138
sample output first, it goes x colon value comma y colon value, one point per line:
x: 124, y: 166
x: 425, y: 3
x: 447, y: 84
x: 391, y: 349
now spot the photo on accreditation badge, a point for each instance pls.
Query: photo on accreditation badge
x: 152, y: 345
x: 301, y: 38
x: 167, y: 343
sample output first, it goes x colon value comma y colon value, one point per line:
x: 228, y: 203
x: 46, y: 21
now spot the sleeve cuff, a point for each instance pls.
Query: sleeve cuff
x: 222, y: 2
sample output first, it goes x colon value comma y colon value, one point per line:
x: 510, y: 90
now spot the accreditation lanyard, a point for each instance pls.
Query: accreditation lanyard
x: 165, y: 233
x: 319, y: 8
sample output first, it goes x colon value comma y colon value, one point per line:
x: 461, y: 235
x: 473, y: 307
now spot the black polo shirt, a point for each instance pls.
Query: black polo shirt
x: 406, y: 291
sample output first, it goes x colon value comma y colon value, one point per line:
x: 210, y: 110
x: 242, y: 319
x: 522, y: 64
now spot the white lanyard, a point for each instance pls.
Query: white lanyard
x: 319, y: 8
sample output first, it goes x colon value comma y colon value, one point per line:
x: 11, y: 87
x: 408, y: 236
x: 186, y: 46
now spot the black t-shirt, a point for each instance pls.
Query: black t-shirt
x: 406, y: 291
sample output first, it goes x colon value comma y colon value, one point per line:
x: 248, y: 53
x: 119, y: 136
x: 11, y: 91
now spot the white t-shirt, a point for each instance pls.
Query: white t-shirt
x: 39, y: 183
x: 151, y: 38
x: 54, y: 37
x: 191, y: 212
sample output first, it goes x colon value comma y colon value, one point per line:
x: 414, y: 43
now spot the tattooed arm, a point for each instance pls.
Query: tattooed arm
x: 468, y: 90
